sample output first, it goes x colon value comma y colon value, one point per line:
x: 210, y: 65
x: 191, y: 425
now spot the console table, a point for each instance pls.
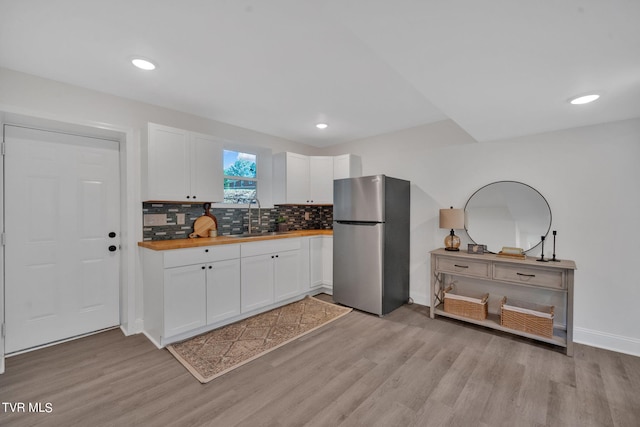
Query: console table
x: 548, y: 283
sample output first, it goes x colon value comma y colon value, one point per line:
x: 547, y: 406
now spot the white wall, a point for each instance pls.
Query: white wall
x: 588, y: 175
x: 35, y: 96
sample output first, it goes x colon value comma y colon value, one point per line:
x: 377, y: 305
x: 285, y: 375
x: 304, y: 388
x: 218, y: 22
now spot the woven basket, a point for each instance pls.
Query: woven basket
x: 466, y: 306
x: 527, y: 317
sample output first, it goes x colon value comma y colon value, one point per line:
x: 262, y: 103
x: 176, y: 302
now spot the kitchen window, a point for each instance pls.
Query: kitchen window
x: 240, y: 177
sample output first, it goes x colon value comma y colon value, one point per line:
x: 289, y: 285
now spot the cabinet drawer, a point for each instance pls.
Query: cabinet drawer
x: 188, y: 256
x: 270, y: 246
x: 463, y: 266
x: 529, y: 275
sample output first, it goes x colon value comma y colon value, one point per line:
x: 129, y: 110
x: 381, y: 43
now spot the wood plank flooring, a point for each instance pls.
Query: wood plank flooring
x: 401, y: 370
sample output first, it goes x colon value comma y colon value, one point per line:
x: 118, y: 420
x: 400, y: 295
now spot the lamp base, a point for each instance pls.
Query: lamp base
x: 452, y: 242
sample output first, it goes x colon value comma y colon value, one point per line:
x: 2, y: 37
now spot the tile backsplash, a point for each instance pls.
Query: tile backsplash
x: 162, y: 220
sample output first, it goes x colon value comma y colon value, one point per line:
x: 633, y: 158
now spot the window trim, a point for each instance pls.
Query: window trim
x: 263, y: 177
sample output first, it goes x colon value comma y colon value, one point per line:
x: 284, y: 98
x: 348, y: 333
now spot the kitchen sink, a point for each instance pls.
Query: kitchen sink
x: 247, y: 235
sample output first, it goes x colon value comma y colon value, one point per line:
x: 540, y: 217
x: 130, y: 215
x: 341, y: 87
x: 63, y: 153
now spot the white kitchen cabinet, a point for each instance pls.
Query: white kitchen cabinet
x: 321, y: 261
x: 185, y: 303
x: 270, y: 272
x: 189, y: 291
x: 286, y: 275
x: 316, y: 254
x: 346, y: 166
x: 223, y: 290
x: 186, y: 290
x: 256, y: 287
x: 300, y: 179
x: 321, y: 180
x: 182, y: 166
x: 327, y: 261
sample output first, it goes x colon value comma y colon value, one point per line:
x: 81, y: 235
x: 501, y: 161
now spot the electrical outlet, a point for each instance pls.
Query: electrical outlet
x: 150, y: 220
x: 180, y: 218
x: 306, y: 216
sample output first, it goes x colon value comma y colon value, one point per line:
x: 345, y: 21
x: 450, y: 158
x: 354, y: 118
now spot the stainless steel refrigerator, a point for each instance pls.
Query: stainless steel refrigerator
x: 371, y: 243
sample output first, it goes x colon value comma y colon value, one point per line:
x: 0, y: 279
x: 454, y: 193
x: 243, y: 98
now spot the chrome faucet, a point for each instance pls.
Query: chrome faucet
x: 249, y: 213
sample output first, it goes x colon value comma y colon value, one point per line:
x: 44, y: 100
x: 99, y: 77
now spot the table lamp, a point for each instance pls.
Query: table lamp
x: 452, y: 219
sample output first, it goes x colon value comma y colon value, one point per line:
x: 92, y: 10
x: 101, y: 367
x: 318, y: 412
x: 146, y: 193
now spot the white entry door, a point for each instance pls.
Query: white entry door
x: 62, y: 226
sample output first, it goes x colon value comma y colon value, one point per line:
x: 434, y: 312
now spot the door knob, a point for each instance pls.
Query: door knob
x: 113, y: 248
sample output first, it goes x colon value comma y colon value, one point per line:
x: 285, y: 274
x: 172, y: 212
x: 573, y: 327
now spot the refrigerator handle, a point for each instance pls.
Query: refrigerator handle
x: 370, y: 223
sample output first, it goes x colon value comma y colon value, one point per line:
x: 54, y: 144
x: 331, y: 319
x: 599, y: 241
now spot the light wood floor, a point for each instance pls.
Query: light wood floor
x: 401, y: 370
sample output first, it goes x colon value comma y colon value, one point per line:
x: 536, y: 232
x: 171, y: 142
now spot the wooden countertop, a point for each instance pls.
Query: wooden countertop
x: 163, y: 245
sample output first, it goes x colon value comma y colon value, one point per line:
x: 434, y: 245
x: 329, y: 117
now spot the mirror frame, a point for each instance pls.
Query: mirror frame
x: 466, y: 226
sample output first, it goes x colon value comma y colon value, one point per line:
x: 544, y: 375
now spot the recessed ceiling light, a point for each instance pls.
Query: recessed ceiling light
x: 584, y: 99
x: 143, y: 64
x: 322, y: 125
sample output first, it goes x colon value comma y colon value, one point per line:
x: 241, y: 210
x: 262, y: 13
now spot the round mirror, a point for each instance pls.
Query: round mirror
x: 507, y: 213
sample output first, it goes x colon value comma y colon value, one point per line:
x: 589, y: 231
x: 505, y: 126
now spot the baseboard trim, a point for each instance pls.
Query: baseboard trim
x: 132, y: 328
x: 422, y: 299
x: 617, y: 343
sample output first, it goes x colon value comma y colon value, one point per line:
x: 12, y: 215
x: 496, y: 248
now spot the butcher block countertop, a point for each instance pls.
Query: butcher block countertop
x: 163, y: 245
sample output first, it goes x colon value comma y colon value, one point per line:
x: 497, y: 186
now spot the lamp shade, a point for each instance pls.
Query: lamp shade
x: 452, y: 218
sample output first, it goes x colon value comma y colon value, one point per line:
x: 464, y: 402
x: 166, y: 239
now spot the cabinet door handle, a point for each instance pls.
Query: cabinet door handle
x: 525, y: 275
x: 460, y: 266
x: 210, y: 267
x: 202, y: 267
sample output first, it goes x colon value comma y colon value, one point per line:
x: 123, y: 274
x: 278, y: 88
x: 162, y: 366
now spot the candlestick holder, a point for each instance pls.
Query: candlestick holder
x: 554, y: 248
x: 541, y: 259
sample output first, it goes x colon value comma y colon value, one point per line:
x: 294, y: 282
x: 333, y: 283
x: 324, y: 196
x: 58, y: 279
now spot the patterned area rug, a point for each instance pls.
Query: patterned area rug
x: 215, y: 353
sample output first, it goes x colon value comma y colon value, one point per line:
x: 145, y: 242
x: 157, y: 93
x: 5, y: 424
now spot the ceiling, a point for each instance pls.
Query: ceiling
x: 498, y: 68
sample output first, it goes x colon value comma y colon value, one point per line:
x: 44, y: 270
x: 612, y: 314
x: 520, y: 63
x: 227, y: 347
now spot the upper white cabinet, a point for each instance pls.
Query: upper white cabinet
x: 321, y: 179
x: 307, y: 180
x: 182, y: 166
x: 346, y: 166
x: 291, y: 178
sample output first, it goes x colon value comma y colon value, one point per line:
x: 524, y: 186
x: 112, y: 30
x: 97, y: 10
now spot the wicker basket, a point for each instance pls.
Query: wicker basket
x: 527, y: 317
x: 473, y: 307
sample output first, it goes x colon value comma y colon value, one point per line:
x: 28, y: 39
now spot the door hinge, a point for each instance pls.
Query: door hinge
x: 4, y: 330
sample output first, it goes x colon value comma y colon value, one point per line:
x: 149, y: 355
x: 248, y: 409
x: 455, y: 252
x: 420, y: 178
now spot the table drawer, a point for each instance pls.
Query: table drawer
x: 463, y: 266
x: 546, y: 278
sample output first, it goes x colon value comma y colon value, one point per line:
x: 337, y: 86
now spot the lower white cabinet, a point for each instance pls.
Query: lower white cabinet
x: 286, y: 275
x: 257, y: 282
x: 223, y: 290
x: 270, y: 272
x: 185, y: 302
x: 321, y: 261
x: 187, y: 289
x: 199, y: 295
